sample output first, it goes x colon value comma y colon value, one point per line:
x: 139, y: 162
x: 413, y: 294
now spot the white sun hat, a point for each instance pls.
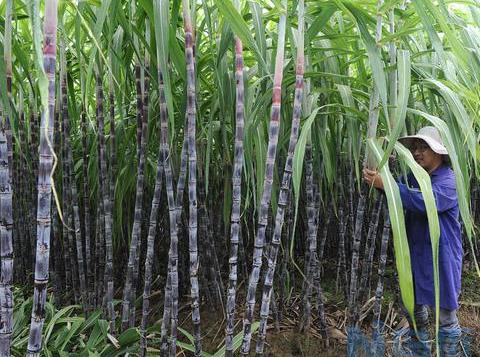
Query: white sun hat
x: 430, y: 135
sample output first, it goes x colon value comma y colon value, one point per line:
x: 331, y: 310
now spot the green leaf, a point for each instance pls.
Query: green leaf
x: 240, y: 28
x: 374, y: 55
x: 162, y: 40
x: 237, y: 340
x: 299, y: 155
x: 423, y: 179
x: 60, y: 314
x: 400, y: 242
x: 403, y: 64
x: 320, y: 21
x: 462, y: 118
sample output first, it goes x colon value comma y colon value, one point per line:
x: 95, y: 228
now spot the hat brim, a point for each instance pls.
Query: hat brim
x: 434, y: 145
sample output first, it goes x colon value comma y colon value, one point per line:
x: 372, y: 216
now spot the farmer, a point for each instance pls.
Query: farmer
x: 430, y: 153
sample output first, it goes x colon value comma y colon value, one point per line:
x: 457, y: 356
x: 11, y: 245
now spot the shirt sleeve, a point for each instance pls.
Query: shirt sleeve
x: 412, y: 199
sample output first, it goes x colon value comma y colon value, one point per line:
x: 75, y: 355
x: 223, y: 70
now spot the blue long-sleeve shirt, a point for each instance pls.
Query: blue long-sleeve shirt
x: 450, y: 246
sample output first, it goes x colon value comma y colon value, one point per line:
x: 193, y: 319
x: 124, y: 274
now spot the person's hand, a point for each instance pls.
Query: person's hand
x: 372, y: 178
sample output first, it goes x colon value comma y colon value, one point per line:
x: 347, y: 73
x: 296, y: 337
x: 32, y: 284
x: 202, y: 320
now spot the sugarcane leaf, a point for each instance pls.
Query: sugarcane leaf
x: 259, y: 28
x: 423, y: 179
x: 187, y: 335
x: 319, y: 22
x: 240, y: 28
x: 434, y: 38
x: 461, y: 53
x: 51, y: 324
x: 237, y: 340
x: 400, y: 242
x: 299, y: 155
x: 352, y: 126
x: 33, y: 10
x: 403, y: 64
x: 126, y: 340
x: 191, y: 348
x: 374, y: 56
x: 162, y: 41
x: 98, y: 334
x: 101, y: 16
x: 462, y: 118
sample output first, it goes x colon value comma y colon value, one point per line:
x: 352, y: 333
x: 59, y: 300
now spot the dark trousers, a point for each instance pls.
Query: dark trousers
x: 448, y: 318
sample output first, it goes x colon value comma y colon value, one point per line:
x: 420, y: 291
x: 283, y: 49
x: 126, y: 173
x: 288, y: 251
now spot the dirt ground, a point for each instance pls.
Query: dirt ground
x: 284, y: 339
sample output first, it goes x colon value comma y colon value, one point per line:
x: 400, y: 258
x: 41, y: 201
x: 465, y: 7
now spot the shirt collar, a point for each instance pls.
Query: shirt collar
x: 439, y: 170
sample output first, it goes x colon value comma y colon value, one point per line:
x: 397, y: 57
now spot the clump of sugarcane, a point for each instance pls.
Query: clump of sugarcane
x: 192, y: 173
x: 267, y: 183
x: 100, y: 249
x: 70, y: 168
x: 178, y: 199
x: 6, y: 214
x: 235, y: 225
x: 8, y: 75
x: 323, y: 237
x: 362, y: 200
x: 341, y: 276
x: 369, y: 248
x: 284, y: 194
x: 58, y: 261
x: 44, y: 173
x: 66, y: 237
x: 311, y: 248
x: 86, y: 206
x: 128, y: 312
x: 171, y: 288
x: 20, y: 199
x: 145, y: 98
x: 107, y: 204
x: 152, y: 232
x: 6, y: 252
x: 170, y: 307
x: 377, y: 307
x: 33, y: 148
x: 67, y: 232
x: 152, y: 229
x: 213, y: 280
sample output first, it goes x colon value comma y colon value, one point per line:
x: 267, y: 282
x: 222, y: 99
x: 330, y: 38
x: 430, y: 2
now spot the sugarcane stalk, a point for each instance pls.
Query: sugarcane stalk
x: 370, y: 248
x: 377, y: 329
x: 68, y: 234
x: 6, y: 252
x: 73, y: 187
x: 285, y: 188
x: 6, y: 213
x: 21, y: 195
x: 323, y: 238
x: 44, y: 181
x: 152, y: 231
x: 235, y: 224
x: 107, y: 205
x: 86, y: 206
x: 311, y: 252
x: 7, y: 53
x: 267, y: 183
x: 213, y: 282
x: 192, y: 174
x: 145, y: 99
x: 342, y: 267
x: 361, y: 207
x: 171, y: 288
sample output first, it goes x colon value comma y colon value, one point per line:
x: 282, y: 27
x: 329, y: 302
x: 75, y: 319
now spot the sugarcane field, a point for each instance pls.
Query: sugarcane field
x: 239, y: 178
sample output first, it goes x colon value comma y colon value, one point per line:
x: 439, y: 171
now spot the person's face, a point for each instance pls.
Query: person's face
x: 424, y: 156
